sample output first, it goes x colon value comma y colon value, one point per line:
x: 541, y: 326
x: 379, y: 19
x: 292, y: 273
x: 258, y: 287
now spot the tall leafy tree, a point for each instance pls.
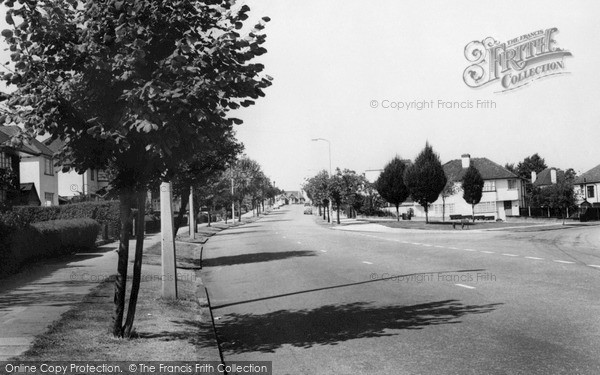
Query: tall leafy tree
x: 534, y: 163
x: 390, y: 184
x: 426, y: 179
x: 449, y: 190
x: 472, y: 186
x: 134, y: 85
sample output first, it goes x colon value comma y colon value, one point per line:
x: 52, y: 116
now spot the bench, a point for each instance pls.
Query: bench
x: 464, y: 220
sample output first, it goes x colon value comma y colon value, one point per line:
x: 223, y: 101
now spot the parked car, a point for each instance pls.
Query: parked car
x: 308, y: 211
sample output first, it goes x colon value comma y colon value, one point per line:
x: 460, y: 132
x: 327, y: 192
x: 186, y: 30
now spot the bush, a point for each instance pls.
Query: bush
x: 104, y: 212
x: 35, y: 241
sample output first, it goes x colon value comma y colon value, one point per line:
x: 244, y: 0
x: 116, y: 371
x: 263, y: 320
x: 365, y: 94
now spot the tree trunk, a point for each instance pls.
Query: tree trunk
x: 137, y: 265
x: 443, y: 209
x: 328, y: 215
x: 426, y: 214
x: 208, y: 209
x: 398, y: 212
x: 240, y: 212
x: 121, y: 278
x: 473, y: 211
x: 338, y: 213
x: 324, y: 213
x: 185, y: 199
x: 319, y: 206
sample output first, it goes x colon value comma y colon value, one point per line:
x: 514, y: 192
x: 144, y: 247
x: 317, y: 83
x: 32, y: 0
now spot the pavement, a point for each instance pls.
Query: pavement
x: 36, y: 297
x: 316, y: 300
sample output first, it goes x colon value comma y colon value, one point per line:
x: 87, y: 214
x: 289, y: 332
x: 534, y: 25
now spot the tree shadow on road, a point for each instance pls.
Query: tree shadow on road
x: 255, y: 258
x: 331, y: 324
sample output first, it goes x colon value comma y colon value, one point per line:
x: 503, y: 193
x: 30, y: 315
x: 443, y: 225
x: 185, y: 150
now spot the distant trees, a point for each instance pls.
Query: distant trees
x: 472, y: 186
x: 533, y: 163
x: 425, y: 179
x: 390, y: 184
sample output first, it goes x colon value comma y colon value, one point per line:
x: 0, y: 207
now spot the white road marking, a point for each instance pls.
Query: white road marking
x: 452, y: 247
x: 468, y: 250
x: 427, y: 245
x: 535, y: 258
x: 323, y: 251
x: 563, y: 261
x: 299, y: 243
x: 593, y: 265
x: 465, y: 286
x: 510, y: 255
x: 284, y: 237
x: 415, y: 243
x: 365, y: 262
x: 487, y: 252
x: 440, y: 247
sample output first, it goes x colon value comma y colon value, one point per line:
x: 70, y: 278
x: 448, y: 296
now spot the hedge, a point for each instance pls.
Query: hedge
x: 36, y: 241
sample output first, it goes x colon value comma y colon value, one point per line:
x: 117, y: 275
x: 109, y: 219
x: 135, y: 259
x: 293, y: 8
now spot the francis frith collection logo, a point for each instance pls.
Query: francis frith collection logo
x: 515, y: 63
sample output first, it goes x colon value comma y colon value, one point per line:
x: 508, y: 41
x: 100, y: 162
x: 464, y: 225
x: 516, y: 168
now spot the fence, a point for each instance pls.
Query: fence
x: 581, y: 213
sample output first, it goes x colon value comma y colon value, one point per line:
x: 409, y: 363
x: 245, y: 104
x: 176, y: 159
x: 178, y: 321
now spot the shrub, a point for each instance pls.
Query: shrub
x: 104, y: 212
x: 31, y: 242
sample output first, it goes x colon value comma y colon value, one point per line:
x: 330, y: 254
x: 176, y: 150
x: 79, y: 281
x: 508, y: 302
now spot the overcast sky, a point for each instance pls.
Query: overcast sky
x: 331, y: 59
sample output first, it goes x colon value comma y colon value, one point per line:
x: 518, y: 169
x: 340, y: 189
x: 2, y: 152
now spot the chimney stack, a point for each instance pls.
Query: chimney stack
x: 533, y: 176
x: 466, y: 160
x: 553, y: 176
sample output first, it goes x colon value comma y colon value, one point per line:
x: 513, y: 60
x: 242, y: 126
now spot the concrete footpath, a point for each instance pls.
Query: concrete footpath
x: 33, y: 299
x: 36, y: 297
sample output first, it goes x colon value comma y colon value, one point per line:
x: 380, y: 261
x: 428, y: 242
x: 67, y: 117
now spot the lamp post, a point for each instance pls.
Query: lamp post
x: 329, y: 147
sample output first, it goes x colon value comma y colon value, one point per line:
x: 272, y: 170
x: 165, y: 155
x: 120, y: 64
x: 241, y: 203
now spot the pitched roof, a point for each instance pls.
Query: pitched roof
x: 33, y: 147
x: 544, y: 177
x: 593, y: 175
x: 54, y: 144
x: 487, y: 168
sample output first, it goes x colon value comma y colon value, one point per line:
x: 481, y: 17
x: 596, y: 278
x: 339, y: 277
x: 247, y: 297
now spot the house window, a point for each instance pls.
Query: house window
x: 5, y: 161
x: 489, y: 186
x: 48, y: 167
x: 590, y: 191
x: 512, y: 184
x: 438, y: 209
x: 49, y: 198
x: 485, y: 207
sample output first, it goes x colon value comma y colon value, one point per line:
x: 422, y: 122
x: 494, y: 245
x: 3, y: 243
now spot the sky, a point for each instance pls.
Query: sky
x: 340, y: 65
x: 334, y: 61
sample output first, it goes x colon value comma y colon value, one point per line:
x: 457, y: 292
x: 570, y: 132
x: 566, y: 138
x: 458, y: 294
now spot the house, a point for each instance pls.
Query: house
x: 9, y: 165
x: 547, y: 177
x: 36, y: 165
x: 503, y: 191
x: 90, y: 183
x: 587, y: 187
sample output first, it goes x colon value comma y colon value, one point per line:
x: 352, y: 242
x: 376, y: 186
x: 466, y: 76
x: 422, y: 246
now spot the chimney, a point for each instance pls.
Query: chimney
x: 466, y: 160
x: 553, y: 176
x: 533, y: 176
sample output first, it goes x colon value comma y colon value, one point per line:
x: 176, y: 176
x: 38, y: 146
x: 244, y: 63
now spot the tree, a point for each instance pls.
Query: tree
x: 511, y: 168
x: 390, y: 184
x: 449, y: 190
x: 319, y: 188
x: 425, y: 179
x: 472, y: 185
x: 533, y: 163
x: 136, y: 86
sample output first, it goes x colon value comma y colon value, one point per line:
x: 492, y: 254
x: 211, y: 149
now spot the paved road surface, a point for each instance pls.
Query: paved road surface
x: 321, y: 301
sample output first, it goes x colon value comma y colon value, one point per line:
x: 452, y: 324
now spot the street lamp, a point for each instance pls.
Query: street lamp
x: 330, y: 174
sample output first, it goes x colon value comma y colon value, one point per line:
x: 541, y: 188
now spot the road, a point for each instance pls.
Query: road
x: 316, y: 300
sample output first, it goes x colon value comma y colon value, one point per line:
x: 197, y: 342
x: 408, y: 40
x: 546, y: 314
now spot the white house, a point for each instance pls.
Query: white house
x: 503, y: 191
x: 587, y: 187
x: 37, y: 167
x: 71, y: 183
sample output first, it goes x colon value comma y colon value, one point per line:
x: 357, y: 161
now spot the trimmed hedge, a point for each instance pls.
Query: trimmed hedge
x: 44, y: 239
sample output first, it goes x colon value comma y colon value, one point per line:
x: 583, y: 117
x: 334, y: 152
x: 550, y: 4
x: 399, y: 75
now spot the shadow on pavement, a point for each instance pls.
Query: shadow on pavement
x: 331, y: 324
x: 254, y: 258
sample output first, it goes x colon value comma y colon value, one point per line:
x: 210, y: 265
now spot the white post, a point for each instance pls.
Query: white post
x: 232, y: 204
x: 169, y: 267
x: 191, y: 216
